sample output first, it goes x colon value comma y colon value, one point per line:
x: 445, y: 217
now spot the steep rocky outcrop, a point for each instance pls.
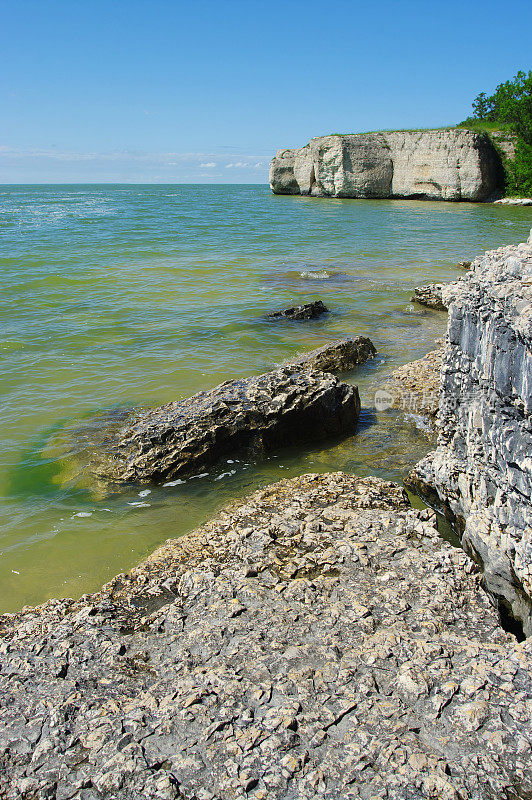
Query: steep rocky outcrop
x: 481, y: 472
x: 340, y: 356
x: 251, y: 415
x: 451, y: 164
x: 318, y: 640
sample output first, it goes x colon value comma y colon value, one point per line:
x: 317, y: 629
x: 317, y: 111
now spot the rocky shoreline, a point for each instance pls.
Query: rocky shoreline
x: 320, y: 638
x: 317, y: 640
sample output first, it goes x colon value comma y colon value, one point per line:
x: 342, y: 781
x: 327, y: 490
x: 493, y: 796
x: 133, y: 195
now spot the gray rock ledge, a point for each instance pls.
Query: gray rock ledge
x: 318, y: 640
x: 248, y: 416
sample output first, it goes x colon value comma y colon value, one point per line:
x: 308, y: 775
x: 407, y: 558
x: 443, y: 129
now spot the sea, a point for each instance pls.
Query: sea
x: 122, y: 297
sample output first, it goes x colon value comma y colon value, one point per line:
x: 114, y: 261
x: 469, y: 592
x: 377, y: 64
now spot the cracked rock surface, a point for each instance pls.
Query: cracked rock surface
x: 317, y: 640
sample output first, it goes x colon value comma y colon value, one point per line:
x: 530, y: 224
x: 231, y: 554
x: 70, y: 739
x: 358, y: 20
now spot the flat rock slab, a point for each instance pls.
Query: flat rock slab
x: 340, y: 356
x: 250, y: 416
x: 318, y: 640
x: 429, y: 296
x: 306, y: 311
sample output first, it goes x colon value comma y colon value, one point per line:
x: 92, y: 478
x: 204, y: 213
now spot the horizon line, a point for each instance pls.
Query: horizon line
x: 131, y: 183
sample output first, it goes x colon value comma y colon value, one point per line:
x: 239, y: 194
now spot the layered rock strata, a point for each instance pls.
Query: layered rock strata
x: 481, y: 472
x: 339, y: 356
x: 251, y: 415
x: 451, y: 164
x: 318, y: 640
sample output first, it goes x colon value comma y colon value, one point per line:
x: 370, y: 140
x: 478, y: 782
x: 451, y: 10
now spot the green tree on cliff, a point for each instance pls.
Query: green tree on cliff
x: 511, y: 106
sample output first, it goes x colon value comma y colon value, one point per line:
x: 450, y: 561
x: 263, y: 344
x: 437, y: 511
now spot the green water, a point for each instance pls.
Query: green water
x: 121, y: 296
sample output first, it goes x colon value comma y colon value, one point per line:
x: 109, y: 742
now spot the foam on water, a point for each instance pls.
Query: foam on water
x: 323, y: 275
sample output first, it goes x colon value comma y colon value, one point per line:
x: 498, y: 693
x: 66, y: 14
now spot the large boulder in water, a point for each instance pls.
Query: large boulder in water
x: 253, y: 415
x: 307, y: 311
x: 339, y: 356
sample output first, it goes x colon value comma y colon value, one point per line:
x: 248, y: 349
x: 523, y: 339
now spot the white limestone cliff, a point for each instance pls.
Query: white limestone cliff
x: 450, y: 164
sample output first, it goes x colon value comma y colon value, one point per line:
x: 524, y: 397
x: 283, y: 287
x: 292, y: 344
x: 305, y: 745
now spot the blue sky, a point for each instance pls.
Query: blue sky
x: 205, y: 91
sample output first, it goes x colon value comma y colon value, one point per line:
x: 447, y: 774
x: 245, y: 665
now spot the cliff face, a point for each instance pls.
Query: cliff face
x: 482, y: 469
x: 433, y: 165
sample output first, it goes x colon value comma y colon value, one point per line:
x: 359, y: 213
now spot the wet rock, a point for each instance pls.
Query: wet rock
x: 429, y: 296
x: 363, y: 661
x: 464, y: 264
x: 251, y: 415
x: 481, y: 472
x: 307, y: 311
x: 415, y: 387
x: 340, y: 356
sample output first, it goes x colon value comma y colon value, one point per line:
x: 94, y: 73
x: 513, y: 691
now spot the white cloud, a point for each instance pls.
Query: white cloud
x: 51, y: 164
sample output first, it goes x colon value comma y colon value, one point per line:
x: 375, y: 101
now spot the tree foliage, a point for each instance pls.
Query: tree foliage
x: 511, y: 107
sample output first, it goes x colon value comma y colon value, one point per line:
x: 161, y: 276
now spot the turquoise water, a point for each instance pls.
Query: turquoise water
x: 114, y: 297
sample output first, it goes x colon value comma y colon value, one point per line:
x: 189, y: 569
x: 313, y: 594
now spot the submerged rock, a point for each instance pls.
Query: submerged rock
x: 429, y: 296
x: 414, y: 388
x: 340, y: 356
x: 434, y: 165
x: 306, y: 311
x: 251, y: 415
x: 318, y: 640
x: 481, y: 472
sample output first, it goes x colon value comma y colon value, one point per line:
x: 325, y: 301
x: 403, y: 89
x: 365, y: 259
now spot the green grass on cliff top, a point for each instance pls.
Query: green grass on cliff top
x: 488, y: 127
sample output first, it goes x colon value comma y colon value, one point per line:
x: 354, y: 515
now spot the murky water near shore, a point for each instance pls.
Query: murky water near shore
x: 115, y: 297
